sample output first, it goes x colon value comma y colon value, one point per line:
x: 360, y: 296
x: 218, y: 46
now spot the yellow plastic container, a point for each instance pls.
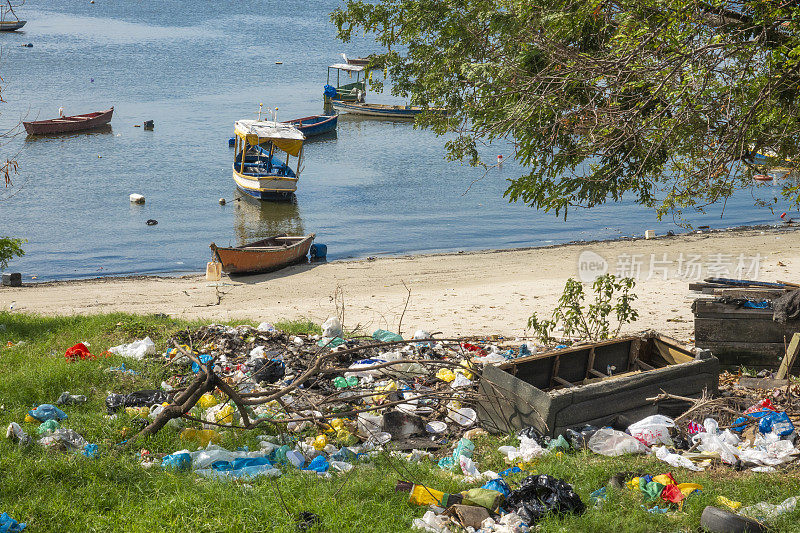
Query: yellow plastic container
x: 135, y: 412
x: 225, y: 415
x: 207, y: 400
x: 422, y: 495
x: 201, y: 436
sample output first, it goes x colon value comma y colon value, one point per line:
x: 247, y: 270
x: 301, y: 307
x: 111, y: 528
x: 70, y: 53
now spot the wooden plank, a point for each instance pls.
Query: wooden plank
x: 751, y: 331
x: 788, y: 359
x: 562, y: 381
x: 761, y: 383
x: 590, y: 364
x: 753, y: 294
x: 633, y: 354
x: 644, y: 366
x: 712, y: 309
x: 598, y: 374
x: 563, y: 351
x: 750, y: 354
x: 556, y: 366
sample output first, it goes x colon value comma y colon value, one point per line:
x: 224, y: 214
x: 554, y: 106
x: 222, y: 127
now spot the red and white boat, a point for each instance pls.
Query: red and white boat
x: 67, y: 124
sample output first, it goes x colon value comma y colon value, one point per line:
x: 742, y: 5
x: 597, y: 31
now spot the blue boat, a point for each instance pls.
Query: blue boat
x: 262, y: 151
x: 315, y: 124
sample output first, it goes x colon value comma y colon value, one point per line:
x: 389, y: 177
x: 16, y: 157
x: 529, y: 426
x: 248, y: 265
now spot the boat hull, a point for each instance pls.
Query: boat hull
x: 69, y: 124
x: 382, y: 111
x: 12, y: 25
x: 315, y: 124
x: 242, y: 260
x: 265, y: 187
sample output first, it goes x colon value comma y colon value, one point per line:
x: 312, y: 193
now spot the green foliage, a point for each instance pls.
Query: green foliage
x: 9, y: 249
x: 589, y: 322
x: 661, y: 101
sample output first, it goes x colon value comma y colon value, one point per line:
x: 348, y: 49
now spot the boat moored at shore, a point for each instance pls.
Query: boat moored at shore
x: 394, y: 112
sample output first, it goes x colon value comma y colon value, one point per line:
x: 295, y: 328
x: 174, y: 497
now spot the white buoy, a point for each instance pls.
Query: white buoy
x: 137, y: 198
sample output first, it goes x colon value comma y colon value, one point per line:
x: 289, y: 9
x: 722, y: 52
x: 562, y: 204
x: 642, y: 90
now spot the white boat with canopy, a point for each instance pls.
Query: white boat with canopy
x: 262, y: 165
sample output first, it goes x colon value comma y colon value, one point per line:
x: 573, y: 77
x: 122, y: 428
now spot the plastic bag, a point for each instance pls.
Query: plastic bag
x: 46, y: 412
x: 528, y: 450
x: 142, y: 398
x: 268, y: 370
x: 9, y: 525
x: 70, y: 399
x: 67, y: 437
x: 612, y: 443
x: 332, y: 328
x: 663, y: 454
x: 177, y: 461
x: 386, y: 336
x: 579, y: 438
x: 78, y: 351
x: 136, y: 349
x: 532, y: 433
x: 14, y: 430
x: 652, y: 430
x: 543, y: 494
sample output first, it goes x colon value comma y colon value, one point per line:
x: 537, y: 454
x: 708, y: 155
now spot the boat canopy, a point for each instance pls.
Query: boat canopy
x: 284, y: 136
x: 347, y: 67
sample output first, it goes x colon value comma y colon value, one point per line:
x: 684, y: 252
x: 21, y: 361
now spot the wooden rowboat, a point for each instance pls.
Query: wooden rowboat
x: 68, y: 124
x: 265, y: 255
x: 381, y: 110
x: 315, y: 124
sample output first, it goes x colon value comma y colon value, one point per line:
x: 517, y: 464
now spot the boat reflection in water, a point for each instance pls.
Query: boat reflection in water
x: 255, y: 219
x: 105, y: 129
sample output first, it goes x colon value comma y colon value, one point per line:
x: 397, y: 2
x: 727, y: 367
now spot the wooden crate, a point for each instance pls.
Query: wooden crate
x: 741, y: 336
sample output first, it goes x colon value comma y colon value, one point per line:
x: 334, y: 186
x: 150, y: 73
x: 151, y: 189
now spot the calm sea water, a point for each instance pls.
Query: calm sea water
x: 194, y: 68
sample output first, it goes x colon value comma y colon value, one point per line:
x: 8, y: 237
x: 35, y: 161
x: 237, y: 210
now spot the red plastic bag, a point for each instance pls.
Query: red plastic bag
x: 79, y: 350
x: 671, y: 493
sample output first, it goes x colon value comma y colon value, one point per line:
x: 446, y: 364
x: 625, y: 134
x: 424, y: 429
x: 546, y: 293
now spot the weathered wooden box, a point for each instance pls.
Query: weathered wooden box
x: 741, y: 336
x: 571, y: 387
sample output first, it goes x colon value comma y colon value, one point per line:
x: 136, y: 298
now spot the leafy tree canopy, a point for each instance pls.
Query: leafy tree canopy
x: 662, y: 100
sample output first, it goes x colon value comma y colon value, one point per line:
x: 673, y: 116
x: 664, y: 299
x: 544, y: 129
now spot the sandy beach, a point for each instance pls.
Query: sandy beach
x: 492, y: 292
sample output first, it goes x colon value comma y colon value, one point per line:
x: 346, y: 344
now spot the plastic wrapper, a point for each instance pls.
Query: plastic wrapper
x: 64, y: 437
x: 612, y: 443
x: 539, y: 495
x: 70, y: 399
x: 768, y: 511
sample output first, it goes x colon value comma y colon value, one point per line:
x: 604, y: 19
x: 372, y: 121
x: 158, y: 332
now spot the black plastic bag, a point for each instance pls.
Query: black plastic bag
x: 532, y: 433
x: 579, y: 438
x: 543, y: 494
x: 142, y: 398
x: 268, y: 370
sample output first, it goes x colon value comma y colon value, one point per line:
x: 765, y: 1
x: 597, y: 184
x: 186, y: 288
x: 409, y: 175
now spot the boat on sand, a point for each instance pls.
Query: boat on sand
x: 265, y: 255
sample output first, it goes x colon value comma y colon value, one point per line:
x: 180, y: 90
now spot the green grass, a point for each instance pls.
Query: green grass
x: 54, y: 491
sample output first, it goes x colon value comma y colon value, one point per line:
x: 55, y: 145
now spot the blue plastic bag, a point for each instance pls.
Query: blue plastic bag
x: 90, y: 450
x: 177, y: 461
x: 319, y: 464
x: 204, y: 358
x: 498, y: 485
x: 46, y: 412
x: 9, y: 525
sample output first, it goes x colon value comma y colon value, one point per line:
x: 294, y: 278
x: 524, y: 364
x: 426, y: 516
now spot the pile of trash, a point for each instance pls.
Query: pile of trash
x: 49, y: 429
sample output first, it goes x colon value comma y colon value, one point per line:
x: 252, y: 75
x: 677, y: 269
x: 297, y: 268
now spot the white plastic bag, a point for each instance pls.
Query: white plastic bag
x: 767, y: 511
x: 527, y: 451
x: 610, y: 442
x: 332, y: 328
x: 136, y: 349
x: 674, y: 459
x: 652, y: 430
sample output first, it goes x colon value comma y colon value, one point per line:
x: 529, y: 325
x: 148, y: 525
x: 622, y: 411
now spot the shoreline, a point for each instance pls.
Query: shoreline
x: 786, y: 228
x: 458, y: 294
